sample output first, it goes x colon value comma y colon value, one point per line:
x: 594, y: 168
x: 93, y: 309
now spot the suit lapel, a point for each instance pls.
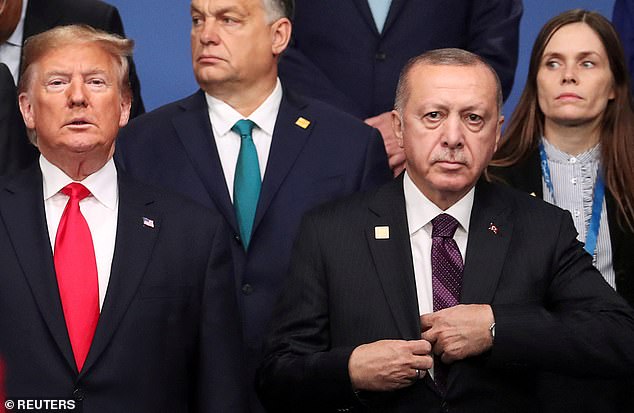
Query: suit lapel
x: 395, y: 9
x: 366, y: 13
x: 288, y: 141
x: 133, y: 250
x: 194, y: 130
x: 22, y: 210
x: 490, y: 234
x: 392, y: 257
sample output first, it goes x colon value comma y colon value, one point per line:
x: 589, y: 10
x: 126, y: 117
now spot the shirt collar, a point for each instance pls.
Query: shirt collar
x: 101, y: 184
x: 420, y: 210
x: 223, y: 116
x: 18, y: 34
x: 557, y: 155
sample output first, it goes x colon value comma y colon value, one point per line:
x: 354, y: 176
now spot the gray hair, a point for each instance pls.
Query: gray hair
x: 442, y: 57
x: 276, y: 9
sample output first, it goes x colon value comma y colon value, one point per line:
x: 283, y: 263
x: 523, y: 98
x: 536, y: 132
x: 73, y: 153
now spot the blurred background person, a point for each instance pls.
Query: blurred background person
x: 570, y: 141
x: 350, y: 53
x: 15, y: 149
x: 623, y: 21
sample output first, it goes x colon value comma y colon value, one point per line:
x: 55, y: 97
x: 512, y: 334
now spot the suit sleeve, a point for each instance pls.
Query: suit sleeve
x: 15, y: 150
x: 115, y: 25
x: 222, y: 387
x: 594, y: 326
x: 494, y: 35
x: 623, y: 20
x: 376, y: 170
x: 297, y: 364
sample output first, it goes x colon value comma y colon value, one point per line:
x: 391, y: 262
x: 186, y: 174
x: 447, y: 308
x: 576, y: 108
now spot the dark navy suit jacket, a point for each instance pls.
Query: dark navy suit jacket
x: 339, y: 56
x: 333, y: 156
x: 167, y: 339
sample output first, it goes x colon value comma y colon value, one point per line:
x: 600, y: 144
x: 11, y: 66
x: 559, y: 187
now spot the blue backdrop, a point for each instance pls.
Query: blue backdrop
x: 161, y: 31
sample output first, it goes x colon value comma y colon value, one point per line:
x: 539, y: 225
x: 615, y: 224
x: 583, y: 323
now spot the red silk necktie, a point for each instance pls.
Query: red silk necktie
x: 76, y: 270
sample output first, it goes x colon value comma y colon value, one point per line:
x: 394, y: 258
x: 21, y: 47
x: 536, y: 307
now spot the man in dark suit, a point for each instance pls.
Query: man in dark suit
x: 114, y: 296
x: 350, y: 53
x: 15, y: 151
x: 347, y: 335
x: 39, y: 16
x: 306, y: 152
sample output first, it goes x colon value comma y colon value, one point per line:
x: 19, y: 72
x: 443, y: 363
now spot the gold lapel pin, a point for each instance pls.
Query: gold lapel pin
x: 382, y: 232
x: 533, y: 194
x: 302, y: 122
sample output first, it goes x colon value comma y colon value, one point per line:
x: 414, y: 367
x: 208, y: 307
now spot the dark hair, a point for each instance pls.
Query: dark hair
x: 617, y: 125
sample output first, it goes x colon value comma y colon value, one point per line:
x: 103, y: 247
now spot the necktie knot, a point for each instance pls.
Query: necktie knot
x: 243, y: 127
x: 76, y: 191
x: 444, y: 225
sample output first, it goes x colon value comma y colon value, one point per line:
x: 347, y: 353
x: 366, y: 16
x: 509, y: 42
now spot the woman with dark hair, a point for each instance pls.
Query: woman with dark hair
x: 571, y: 142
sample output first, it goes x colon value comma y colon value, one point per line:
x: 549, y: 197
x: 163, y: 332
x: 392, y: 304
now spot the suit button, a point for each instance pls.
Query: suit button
x: 78, y: 394
x: 380, y: 56
x: 247, y: 289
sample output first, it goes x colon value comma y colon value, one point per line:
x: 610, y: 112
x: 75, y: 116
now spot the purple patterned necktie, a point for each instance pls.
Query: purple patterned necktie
x: 446, y: 271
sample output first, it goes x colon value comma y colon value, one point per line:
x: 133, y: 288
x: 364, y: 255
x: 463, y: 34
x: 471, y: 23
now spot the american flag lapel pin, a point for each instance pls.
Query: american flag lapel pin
x: 147, y: 222
x: 493, y: 228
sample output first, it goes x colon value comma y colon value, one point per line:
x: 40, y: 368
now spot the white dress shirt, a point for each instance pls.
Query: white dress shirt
x: 99, y: 209
x: 420, y: 211
x: 223, y: 117
x: 11, y: 49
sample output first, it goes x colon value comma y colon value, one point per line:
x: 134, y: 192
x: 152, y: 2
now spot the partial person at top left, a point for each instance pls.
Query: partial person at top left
x: 20, y: 19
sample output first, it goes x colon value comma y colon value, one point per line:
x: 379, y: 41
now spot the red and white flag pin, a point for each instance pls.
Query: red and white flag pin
x: 493, y: 228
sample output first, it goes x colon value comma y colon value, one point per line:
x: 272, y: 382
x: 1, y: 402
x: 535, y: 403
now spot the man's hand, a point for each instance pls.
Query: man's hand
x: 389, y: 364
x: 395, y: 154
x: 459, y: 332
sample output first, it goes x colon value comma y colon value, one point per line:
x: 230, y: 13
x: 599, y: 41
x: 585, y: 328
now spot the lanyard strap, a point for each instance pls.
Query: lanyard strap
x: 597, y: 201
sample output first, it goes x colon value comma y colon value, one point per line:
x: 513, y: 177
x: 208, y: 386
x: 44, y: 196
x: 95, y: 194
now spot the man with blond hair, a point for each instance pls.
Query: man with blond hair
x: 114, y: 297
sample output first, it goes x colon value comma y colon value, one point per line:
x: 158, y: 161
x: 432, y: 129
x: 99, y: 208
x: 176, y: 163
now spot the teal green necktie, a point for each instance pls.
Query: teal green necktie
x: 247, y: 183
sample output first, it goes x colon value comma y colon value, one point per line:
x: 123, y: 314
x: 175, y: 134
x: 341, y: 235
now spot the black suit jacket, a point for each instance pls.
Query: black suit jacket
x: 561, y: 393
x: 333, y: 156
x: 15, y: 150
x: 338, y: 55
x: 42, y: 15
x: 552, y: 308
x: 167, y: 337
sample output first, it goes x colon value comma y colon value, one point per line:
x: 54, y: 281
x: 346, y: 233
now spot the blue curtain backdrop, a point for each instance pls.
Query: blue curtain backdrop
x: 161, y: 31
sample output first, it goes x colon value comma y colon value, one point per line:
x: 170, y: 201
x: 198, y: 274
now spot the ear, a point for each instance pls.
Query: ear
x: 26, y: 107
x: 397, y: 127
x: 126, y: 104
x: 280, y: 35
x: 498, y: 132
